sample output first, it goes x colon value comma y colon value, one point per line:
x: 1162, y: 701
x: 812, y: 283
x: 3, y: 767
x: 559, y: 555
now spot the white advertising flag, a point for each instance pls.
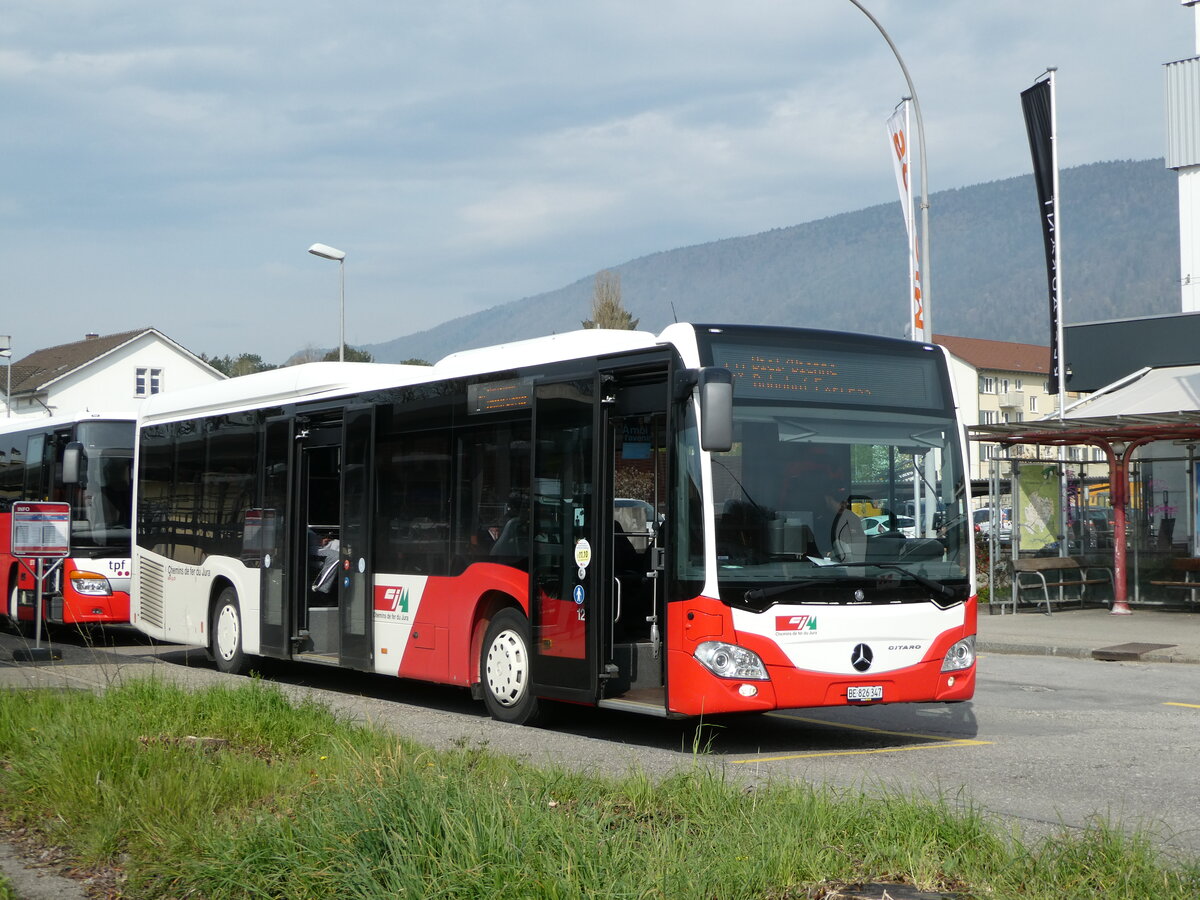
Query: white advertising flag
x: 897, y: 125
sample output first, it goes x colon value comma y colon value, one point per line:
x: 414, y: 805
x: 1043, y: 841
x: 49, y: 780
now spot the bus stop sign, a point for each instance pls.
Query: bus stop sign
x: 41, y: 530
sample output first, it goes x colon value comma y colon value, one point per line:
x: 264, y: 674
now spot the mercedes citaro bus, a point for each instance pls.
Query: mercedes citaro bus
x: 662, y: 524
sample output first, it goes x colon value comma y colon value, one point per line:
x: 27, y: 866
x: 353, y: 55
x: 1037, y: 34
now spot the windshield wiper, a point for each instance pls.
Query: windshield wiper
x: 936, y: 586
x: 753, y: 596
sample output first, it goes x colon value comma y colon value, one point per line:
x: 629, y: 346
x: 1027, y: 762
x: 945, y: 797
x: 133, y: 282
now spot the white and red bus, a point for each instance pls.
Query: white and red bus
x: 86, y: 461
x: 609, y: 518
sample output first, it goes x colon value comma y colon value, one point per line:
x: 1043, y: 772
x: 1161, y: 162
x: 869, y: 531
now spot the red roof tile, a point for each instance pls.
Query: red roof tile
x: 1002, y: 356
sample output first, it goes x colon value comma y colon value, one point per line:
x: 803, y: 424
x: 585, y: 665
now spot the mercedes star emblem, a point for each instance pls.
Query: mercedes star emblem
x: 860, y: 657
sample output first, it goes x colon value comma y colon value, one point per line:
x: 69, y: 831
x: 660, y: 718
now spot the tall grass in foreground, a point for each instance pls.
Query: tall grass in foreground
x: 294, y: 802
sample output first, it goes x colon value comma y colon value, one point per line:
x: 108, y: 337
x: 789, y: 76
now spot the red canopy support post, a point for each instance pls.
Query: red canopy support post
x: 1118, y: 457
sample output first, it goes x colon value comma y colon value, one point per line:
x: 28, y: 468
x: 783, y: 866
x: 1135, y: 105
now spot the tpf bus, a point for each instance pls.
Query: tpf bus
x: 86, y: 461
x: 601, y: 517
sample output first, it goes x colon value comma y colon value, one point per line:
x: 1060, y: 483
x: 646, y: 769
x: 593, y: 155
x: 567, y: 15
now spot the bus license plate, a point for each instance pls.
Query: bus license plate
x: 865, y: 692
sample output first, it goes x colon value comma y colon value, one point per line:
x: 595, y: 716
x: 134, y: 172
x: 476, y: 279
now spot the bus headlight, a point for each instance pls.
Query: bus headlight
x: 731, y: 661
x: 960, y: 656
x: 90, y: 583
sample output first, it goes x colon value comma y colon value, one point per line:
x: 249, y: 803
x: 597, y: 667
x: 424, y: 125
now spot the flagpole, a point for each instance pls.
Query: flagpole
x: 914, y: 266
x: 1058, y: 272
x: 927, y: 331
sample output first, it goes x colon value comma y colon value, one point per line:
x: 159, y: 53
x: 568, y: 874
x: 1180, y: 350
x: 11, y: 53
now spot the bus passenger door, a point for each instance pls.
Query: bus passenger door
x: 274, y: 537
x: 356, y: 578
x: 565, y: 597
x: 635, y: 487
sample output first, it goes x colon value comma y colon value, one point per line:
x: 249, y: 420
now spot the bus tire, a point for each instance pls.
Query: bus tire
x: 226, y: 647
x: 504, y: 668
x: 9, y: 616
x: 25, y: 629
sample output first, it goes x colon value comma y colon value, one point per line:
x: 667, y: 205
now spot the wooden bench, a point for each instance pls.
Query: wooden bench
x: 1184, y: 575
x: 1059, y: 572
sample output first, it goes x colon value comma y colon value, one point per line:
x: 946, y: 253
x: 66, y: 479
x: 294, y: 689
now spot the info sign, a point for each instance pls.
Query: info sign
x: 41, y: 529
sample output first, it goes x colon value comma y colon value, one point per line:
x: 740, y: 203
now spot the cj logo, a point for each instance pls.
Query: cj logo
x: 795, y: 623
x: 398, y: 598
x: 861, y: 657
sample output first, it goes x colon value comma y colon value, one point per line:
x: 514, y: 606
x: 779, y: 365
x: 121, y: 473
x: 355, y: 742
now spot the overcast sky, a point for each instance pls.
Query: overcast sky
x: 169, y: 164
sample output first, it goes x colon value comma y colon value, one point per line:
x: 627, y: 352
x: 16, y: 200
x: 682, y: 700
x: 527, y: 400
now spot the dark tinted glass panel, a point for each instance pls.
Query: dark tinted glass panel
x: 493, y: 496
x: 186, y: 513
x: 228, y: 485
x: 36, y: 480
x: 414, y: 504
x: 154, y: 487
x: 102, y: 502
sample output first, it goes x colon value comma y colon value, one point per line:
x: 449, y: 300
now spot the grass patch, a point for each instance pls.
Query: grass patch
x: 236, y: 792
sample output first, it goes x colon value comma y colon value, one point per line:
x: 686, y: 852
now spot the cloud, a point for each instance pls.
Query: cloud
x: 176, y: 160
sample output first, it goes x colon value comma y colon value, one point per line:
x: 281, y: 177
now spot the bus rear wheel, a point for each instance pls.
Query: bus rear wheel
x: 504, y: 668
x: 226, y: 634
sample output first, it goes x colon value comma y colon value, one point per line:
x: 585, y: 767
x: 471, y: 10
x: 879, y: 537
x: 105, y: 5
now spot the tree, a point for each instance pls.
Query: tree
x: 245, y: 364
x: 309, y: 354
x: 607, y: 309
x: 415, y: 362
x: 350, y: 354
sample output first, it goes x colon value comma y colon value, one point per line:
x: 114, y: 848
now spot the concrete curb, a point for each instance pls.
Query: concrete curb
x: 31, y: 882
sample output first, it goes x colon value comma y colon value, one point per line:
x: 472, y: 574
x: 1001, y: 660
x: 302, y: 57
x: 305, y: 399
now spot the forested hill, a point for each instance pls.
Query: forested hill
x: 1120, y: 246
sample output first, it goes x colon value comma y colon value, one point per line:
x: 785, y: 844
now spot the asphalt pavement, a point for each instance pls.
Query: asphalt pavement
x: 1148, y: 634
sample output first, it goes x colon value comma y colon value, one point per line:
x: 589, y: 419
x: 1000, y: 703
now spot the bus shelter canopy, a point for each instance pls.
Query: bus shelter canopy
x: 1150, y: 405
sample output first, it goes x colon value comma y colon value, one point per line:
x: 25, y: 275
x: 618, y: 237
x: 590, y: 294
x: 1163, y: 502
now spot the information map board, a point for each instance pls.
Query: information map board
x: 41, y: 529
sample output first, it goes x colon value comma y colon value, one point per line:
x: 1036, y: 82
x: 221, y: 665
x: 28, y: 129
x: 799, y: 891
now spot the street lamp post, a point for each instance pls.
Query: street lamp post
x: 927, y: 331
x: 6, y: 352
x: 326, y: 252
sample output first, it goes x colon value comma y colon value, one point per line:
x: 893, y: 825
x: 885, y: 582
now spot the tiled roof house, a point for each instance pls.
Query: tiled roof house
x: 103, y: 373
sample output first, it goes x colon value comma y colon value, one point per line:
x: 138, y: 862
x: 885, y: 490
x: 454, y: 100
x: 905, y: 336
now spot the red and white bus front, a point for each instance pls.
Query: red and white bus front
x: 828, y: 550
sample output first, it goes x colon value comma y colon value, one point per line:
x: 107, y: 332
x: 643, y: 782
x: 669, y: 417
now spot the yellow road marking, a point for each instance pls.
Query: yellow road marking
x: 907, y: 734
x: 939, y: 743
x: 1188, y: 705
x: 942, y: 744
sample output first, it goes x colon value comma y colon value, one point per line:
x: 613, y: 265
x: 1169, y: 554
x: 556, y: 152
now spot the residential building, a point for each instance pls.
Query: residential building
x: 1011, y: 384
x: 102, y: 373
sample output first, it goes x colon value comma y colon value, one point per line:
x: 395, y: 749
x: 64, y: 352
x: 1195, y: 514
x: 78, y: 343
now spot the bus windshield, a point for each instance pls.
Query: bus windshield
x: 102, y: 508
x: 812, y: 498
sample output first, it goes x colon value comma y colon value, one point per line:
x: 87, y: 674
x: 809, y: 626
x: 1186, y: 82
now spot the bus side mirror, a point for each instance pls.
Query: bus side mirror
x: 73, y: 470
x: 716, y: 409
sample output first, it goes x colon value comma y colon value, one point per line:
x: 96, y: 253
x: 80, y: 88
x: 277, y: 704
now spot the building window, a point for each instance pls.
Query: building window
x: 987, y: 417
x: 986, y: 452
x: 1033, y: 402
x: 1018, y: 384
x: 147, y: 381
x: 987, y: 384
x: 1020, y: 416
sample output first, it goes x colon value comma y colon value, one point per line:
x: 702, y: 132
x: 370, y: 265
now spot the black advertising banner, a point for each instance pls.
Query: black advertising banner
x: 1036, y: 103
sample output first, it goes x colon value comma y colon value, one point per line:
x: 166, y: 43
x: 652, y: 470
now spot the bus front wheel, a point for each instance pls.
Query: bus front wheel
x: 227, y: 634
x: 504, y: 667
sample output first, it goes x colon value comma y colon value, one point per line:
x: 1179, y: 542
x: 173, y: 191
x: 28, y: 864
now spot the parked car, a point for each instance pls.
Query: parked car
x: 983, y: 523
x: 885, y: 524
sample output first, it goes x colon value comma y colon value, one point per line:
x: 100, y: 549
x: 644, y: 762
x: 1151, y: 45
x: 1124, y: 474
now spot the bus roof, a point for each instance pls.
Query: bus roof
x: 308, y: 381
x: 312, y: 381
x: 48, y: 423
x: 535, y: 351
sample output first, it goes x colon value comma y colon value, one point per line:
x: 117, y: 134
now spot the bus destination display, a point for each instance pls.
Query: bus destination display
x: 831, y: 376
x: 496, y: 396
